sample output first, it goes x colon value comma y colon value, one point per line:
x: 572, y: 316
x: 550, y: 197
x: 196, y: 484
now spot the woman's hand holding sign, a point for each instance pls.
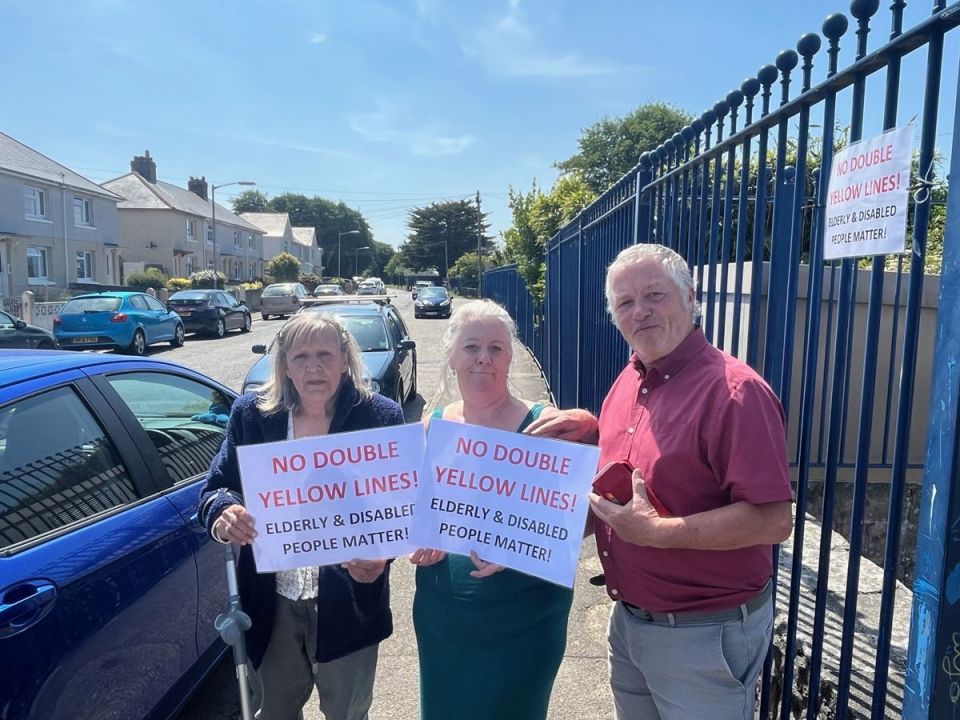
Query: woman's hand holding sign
x: 425, y: 557
x: 235, y: 525
x: 484, y: 568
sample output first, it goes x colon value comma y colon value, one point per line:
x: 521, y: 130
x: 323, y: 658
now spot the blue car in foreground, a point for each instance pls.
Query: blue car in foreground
x: 128, y: 321
x: 108, y: 588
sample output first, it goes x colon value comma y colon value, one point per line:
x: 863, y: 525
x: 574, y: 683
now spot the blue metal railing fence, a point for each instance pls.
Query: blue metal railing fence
x: 838, y: 341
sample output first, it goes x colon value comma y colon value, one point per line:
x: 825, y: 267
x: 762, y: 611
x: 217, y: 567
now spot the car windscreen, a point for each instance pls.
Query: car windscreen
x: 327, y: 288
x: 433, y: 292
x: 189, y: 295
x: 90, y: 304
x: 368, y: 331
x: 273, y: 290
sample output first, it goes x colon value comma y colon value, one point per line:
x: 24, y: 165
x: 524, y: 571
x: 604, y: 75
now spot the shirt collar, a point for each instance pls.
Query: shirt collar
x: 676, y: 360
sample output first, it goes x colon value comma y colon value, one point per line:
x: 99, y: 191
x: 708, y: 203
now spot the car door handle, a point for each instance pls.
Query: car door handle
x: 25, y: 603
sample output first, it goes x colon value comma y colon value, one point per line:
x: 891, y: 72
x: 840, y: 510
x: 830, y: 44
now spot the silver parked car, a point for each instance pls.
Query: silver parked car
x: 281, y: 299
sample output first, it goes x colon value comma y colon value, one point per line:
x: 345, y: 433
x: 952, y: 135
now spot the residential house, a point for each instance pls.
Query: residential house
x: 172, y: 228
x: 58, y: 230
x: 277, y: 233
x: 305, y: 242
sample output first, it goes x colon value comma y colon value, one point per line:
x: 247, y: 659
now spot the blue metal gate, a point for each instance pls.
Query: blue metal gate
x: 740, y: 193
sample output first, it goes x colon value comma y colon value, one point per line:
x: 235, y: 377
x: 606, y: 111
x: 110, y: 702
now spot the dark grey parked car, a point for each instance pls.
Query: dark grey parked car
x: 210, y: 311
x: 15, y: 333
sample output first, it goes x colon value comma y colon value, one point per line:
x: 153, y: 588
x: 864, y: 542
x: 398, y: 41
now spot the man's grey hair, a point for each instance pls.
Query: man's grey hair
x: 672, y: 262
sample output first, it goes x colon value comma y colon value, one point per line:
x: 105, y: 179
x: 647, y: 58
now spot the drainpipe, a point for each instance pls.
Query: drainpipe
x: 66, y: 250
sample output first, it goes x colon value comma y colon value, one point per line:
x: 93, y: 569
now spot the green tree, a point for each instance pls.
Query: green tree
x: 284, y: 268
x: 612, y: 146
x: 536, y: 218
x: 441, y: 232
x: 464, y: 271
x: 251, y: 201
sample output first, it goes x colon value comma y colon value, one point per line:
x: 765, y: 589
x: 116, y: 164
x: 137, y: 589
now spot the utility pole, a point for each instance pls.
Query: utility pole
x: 479, y: 249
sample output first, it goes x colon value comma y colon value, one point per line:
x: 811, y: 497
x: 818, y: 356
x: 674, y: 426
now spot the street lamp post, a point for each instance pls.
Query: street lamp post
x: 356, y: 260
x: 340, y: 234
x: 213, y: 219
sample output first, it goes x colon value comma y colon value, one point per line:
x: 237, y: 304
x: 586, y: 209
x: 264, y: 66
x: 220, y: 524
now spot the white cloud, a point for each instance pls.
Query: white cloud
x: 510, y: 48
x: 317, y: 38
x: 390, y: 123
x: 299, y: 147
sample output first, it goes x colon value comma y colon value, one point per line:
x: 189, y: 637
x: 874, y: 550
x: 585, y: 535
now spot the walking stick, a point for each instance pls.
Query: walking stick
x: 231, y: 625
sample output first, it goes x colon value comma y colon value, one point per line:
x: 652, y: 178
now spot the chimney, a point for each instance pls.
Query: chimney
x: 198, y: 186
x: 145, y: 165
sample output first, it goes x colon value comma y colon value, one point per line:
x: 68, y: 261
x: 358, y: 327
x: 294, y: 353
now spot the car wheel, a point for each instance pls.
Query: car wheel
x: 264, y: 316
x: 247, y: 323
x: 178, y: 337
x: 221, y: 328
x: 139, y: 344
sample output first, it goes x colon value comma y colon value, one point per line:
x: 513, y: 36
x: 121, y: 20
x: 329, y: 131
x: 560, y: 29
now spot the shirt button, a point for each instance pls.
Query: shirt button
x: 630, y: 430
x: 644, y: 391
x: 606, y: 554
x: 614, y: 591
x: 666, y: 377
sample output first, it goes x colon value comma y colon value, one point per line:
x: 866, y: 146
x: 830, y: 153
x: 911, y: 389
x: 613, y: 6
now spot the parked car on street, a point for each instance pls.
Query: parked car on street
x: 108, y: 589
x: 418, y: 286
x: 281, y: 299
x: 128, y: 321
x: 433, y: 300
x: 327, y: 290
x: 15, y: 333
x: 389, y: 355
x: 210, y: 311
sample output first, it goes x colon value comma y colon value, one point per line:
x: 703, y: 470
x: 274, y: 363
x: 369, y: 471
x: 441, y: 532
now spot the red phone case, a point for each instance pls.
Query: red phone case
x: 615, y: 483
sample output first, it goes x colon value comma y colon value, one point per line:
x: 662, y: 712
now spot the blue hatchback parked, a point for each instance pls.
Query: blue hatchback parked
x: 108, y: 589
x: 128, y: 321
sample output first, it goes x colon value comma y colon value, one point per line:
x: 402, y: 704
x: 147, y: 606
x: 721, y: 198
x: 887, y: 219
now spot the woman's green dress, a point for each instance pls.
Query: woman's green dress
x: 490, y: 647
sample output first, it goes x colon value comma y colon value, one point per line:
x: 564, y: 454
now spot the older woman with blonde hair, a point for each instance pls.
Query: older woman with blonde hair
x: 312, y: 627
x: 490, y: 639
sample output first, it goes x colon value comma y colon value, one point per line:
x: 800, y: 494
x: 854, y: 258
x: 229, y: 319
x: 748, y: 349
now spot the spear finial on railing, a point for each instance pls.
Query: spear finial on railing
x: 767, y: 77
x: 721, y: 108
x: 734, y: 100
x: 696, y: 127
x: 863, y: 10
x: 708, y: 118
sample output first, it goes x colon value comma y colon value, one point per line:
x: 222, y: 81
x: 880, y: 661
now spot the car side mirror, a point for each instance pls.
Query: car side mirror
x: 408, y: 345
x: 259, y: 349
x: 19, y: 324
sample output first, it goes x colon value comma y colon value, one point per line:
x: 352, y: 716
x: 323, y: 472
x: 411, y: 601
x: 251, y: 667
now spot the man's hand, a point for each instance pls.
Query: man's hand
x: 637, y: 522
x: 574, y: 425
x: 235, y: 525
x: 365, y: 571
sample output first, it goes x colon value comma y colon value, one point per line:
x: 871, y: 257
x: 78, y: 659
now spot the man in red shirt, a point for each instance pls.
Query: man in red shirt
x: 693, y: 614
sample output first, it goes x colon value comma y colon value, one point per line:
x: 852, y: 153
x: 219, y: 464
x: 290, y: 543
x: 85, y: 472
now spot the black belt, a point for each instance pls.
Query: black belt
x: 695, y: 617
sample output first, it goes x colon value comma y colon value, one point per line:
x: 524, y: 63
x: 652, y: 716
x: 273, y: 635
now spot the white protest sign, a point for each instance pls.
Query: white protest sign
x: 333, y: 498
x: 866, y: 211
x: 516, y: 500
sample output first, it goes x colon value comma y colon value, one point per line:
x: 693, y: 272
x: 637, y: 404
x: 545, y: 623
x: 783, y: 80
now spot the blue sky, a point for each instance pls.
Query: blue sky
x: 386, y: 105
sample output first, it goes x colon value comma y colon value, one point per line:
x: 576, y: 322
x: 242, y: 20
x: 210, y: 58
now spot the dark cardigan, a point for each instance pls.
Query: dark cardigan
x: 350, y: 615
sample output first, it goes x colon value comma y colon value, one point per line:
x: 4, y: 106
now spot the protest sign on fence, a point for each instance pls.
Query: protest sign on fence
x: 516, y: 500
x: 866, y: 211
x: 333, y: 498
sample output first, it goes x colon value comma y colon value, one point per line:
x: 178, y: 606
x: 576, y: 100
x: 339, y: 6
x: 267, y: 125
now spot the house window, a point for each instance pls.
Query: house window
x: 210, y: 233
x: 34, y: 203
x: 250, y: 271
x: 84, y: 265
x: 236, y: 271
x: 190, y: 266
x: 37, y: 264
x: 236, y: 239
x: 192, y: 230
x: 250, y: 240
x: 81, y: 212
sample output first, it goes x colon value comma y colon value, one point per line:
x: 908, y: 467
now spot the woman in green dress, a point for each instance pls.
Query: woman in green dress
x: 490, y: 639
